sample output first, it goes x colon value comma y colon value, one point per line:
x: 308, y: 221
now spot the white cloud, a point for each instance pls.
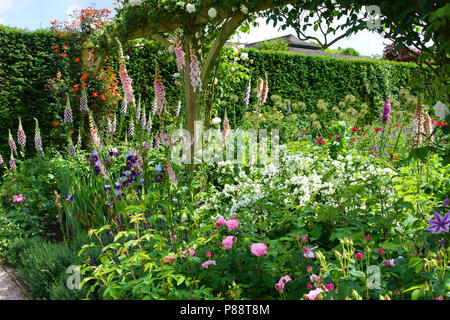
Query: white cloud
x: 2, y: 21
x: 72, y: 8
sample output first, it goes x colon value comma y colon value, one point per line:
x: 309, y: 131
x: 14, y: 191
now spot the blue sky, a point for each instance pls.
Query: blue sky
x: 35, y: 14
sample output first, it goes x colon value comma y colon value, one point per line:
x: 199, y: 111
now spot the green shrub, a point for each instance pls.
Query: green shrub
x: 43, y: 264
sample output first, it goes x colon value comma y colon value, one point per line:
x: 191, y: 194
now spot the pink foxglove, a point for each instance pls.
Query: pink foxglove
x: 160, y: 93
x: 11, y: 142
x: 195, y: 73
x: 68, y: 117
x: 12, y: 163
x: 38, y: 139
x: 180, y: 55
x: 21, y: 138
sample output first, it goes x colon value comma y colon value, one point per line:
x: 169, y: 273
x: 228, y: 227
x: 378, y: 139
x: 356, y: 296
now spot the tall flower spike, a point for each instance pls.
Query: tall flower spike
x: 109, y: 126
x: 265, y: 91
x: 247, y: 94
x: 124, y: 78
x: 260, y: 91
x: 38, y: 139
x: 21, y: 138
x: 68, y: 118
x: 226, y: 127
x: 84, y: 101
x: 177, y: 112
x: 124, y: 106
x: 179, y: 54
x: 160, y: 93
x: 143, y: 119
x: 429, y: 128
x: 195, y: 73
x: 138, y: 110
x: 12, y: 143
x: 72, y: 152
x: 131, y: 128
x: 149, y: 124
x: 12, y: 163
x: 94, y: 132
x: 154, y: 107
x: 114, y: 125
x: 171, y: 173
x: 386, y: 110
x: 79, y: 139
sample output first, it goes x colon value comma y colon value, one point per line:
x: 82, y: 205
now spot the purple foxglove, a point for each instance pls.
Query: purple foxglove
x: 143, y: 120
x: 160, y: 93
x: 11, y: 142
x: 84, y: 102
x: 180, y: 55
x: 138, y: 111
x: 21, y: 138
x: 12, y: 163
x: 124, y: 78
x: 94, y: 133
x: 68, y: 117
x: 124, y: 105
x: 386, y: 110
x: 131, y: 129
x: 149, y: 125
x: 38, y: 139
x: 195, y: 73
x: 171, y: 173
x: 79, y: 139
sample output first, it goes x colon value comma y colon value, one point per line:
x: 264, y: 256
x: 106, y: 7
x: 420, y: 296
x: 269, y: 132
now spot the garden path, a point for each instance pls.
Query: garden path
x: 10, y: 286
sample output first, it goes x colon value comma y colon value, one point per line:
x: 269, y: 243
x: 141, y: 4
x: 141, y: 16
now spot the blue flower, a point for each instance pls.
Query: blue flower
x: 69, y: 198
x: 158, y: 168
x: 439, y: 223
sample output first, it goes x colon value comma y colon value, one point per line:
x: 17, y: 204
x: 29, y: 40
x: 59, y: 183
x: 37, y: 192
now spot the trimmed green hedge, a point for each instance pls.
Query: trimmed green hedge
x: 28, y: 61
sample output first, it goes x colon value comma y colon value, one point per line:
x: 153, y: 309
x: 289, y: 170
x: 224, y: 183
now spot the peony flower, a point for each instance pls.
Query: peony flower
x: 359, y: 256
x: 212, y: 13
x: 228, y: 242
x: 190, y: 8
x: 189, y: 252
x: 19, y: 199
x: 258, y: 249
x: 220, y: 222
x: 307, y: 252
x: 206, y: 264
x: 441, y: 110
x: 313, y: 294
x: 232, y: 225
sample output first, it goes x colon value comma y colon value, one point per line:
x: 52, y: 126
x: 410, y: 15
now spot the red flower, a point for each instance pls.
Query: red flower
x: 64, y: 55
x: 56, y: 123
x: 62, y: 35
x: 370, y: 151
x: 353, y: 139
x: 397, y: 125
x: 354, y: 129
x: 71, y: 131
x: 84, y: 76
x: 377, y: 129
x: 56, y: 50
x: 320, y: 141
x: 102, y: 96
x: 337, y: 137
x: 441, y: 124
x: 95, y: 95
x: 77, y: 59
x: 55, y: 46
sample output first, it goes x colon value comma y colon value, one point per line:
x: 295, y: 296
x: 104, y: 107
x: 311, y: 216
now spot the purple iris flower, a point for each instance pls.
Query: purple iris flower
x: 97, y: 169
x: 446, y: 202
x: 69, y: 198
x: 107, y: 187
x: 143, y: 180
x: 439, y: 223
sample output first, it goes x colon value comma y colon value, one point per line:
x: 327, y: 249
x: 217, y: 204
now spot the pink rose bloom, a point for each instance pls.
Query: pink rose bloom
x: 220, y: 222
x: 280, y: 285
x: 329, y: 287
x: 388, y: 262
x: 308, y: 268
x: 168, y: 260
x: 312, y: 295
x: 359, y: 255
x: 258, y: 249
x: 208, y: 254
x: 189, y: 251
x: 19, y: 199
x: 307, y: 252
x: 380, y: 251
x: 228, y: 242
x: 309, y: 286
x: 367, y: 238
x: 304, y: 239
x: 232, y: 224
x: 206, y: 264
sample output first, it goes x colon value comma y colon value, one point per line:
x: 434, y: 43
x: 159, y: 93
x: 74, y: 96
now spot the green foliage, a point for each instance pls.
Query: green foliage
x: 42, y: 265
x: 345, y: 52
x: 274, y: 45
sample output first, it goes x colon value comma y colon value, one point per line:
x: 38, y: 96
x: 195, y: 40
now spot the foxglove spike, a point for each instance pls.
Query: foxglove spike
x: 143, y: 120
x: 12, y: 163
x: 84, y: 102
x: 177, y: 113
x: 124, y: 106
x: 68, y: 117
x: 11, y: 142
x: 21, y: 138
x: 131, y: 129
x: 38, y: 139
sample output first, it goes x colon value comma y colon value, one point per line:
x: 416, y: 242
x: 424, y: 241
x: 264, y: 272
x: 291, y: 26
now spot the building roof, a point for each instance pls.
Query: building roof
x: 298, y: 46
